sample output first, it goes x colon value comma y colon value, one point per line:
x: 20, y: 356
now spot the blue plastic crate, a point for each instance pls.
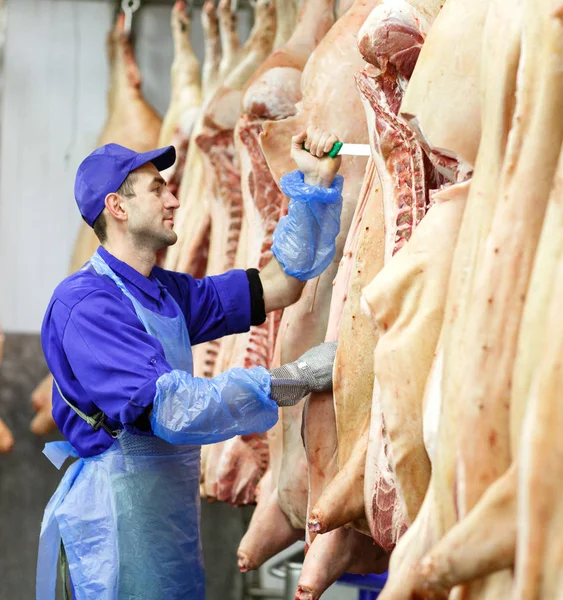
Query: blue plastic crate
x: 369, y: 585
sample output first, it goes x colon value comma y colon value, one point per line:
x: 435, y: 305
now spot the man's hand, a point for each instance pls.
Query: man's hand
x: 6, y: 438
x: 311, y: 372
x: 317, y: 168
x: 42, y: 400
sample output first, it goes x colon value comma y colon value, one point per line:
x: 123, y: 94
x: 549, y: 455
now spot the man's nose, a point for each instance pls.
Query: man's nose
x: 171, y: 201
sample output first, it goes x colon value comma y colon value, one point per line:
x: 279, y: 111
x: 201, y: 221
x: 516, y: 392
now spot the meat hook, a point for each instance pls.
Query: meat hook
x: 129, y: 7
x: 234, y: 5
x: 189, y: 8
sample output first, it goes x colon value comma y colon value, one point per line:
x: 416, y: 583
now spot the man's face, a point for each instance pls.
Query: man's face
x: 150, y: 213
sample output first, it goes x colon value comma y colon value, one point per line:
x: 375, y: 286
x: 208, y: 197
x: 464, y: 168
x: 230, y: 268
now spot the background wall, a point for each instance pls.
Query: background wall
x: 53, y: 108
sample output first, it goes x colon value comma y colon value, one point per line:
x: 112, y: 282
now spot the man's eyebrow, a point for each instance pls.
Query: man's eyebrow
x: 157, y: 180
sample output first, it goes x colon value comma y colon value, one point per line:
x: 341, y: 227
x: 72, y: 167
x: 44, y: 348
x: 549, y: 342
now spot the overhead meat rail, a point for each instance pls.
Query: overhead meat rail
x: 235, y: 4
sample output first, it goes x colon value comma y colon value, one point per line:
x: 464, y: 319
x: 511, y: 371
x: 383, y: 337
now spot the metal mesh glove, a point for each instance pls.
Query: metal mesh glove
x: 311, y: 372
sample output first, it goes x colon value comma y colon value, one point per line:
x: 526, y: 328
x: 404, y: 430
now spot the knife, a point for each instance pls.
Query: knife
x: 347, y: 149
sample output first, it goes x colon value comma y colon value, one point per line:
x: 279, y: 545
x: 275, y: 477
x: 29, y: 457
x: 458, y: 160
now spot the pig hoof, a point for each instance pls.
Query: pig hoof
x: 304, y: 593
x: 245, y: 564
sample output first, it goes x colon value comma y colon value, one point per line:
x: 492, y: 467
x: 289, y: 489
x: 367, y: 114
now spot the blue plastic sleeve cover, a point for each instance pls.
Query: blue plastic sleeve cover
x: 304, y: 240
x: 192, y: 410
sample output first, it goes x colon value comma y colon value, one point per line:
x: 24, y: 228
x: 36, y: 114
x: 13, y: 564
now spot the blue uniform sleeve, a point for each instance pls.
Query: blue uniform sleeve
x: 193, y: 410
x: 124, y: 372
x: 214, y: 306
x: 117, y: 366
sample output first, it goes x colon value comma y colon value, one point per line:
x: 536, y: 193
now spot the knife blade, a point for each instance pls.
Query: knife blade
x: 353, y: 150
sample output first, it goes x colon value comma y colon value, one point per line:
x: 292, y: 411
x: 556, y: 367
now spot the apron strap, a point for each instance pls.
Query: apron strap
x: 96, y: 421
x: 58, y: 452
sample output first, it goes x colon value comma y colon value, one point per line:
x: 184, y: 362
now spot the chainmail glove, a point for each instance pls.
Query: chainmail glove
x: 311, y: 372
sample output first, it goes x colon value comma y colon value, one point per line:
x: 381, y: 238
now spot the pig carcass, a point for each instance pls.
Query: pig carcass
x: 405, y: 195
x: 271, y: 93
x: 539, y: 549
x: 212, y: 46
x: 186, y: 96
x: 483, y: 452
x: 501, y: 46
x: 223, y: 185
x: 329, y: 101
x: 215, y: 141
x: 193, y: 218
x: 407, y: 302
x: 340, y: 500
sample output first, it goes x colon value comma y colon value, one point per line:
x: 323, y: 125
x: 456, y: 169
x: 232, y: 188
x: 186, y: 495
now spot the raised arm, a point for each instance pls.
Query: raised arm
x: 303, y: 243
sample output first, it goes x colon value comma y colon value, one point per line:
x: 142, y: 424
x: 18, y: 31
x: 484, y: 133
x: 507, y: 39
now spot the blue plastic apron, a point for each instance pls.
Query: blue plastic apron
x: 128, y: 518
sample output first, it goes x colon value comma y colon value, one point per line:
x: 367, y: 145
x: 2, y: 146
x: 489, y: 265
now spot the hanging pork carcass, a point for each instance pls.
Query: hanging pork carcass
x: 215, y: 140
x: 193, y: 217
x: 485, y: 488
x: 271, y: 92
x: 537, y: 444
x: 270, y: 95
x: 185, y: 98
x: 441, y: 420
x: 404, y: 193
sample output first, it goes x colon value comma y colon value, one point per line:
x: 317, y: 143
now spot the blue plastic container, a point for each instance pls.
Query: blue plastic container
x: 369, y: 585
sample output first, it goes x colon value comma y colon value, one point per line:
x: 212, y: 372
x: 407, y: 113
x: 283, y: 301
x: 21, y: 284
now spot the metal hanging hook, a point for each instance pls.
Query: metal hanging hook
x: 190, y: 8
x: 129, y: 7
x: 234, y: 5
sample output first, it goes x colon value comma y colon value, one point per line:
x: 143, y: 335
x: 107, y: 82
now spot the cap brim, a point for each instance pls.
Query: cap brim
x: 162, y: 158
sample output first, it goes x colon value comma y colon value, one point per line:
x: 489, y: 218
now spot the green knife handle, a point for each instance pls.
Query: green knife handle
x: 334, y: 150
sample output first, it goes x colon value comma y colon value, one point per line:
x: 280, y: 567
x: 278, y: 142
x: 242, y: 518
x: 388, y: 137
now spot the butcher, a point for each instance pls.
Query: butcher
x: 117, y: 336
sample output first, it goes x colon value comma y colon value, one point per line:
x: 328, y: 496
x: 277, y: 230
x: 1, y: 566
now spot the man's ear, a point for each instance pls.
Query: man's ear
x: 116, y: 206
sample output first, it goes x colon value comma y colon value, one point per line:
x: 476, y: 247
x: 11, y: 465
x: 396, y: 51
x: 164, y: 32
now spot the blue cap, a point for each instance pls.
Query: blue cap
x: 103, y: 172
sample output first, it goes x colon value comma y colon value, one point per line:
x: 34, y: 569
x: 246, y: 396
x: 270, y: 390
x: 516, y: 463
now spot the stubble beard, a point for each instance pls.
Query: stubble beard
x: 166, y: 239
x: 157, y: 240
